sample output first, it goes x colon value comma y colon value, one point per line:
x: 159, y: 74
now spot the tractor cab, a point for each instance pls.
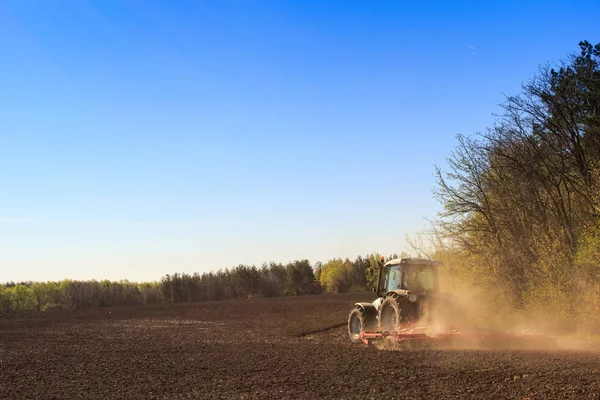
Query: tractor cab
x: 410, y: 278
x: 415, y: 275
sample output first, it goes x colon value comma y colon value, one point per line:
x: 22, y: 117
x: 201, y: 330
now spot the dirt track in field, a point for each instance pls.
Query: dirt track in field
x: 253, y: 349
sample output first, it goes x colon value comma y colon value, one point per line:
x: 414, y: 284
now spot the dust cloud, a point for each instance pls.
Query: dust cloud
x: 469, y: 316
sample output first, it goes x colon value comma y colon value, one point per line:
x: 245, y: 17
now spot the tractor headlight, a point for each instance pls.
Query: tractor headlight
x: 412, y: 298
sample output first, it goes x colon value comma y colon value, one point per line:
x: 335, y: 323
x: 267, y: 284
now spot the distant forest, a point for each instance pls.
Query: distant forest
x: 520, y: 218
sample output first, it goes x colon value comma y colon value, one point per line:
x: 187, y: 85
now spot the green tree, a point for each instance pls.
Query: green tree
x: 518, y: 198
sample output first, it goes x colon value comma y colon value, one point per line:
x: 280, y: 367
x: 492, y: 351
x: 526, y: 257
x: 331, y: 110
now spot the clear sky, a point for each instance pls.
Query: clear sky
x: 139, y: 138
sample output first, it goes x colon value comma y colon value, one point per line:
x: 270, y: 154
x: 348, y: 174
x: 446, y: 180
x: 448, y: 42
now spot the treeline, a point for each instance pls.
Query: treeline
x: 521, y: 201
x: 345, y: 275
x: 243, y: 281
x: 270, y: 280
x: 70, y: 294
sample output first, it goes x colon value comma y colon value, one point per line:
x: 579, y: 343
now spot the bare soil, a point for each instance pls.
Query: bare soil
x: 261, y: 349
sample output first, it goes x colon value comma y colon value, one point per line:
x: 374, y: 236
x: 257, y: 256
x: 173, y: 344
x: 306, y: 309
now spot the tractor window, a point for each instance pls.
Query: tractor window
x: 393, y: 278
x: 419, y: 278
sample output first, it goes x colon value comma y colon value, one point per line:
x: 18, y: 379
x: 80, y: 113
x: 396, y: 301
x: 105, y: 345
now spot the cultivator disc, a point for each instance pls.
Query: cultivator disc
x: 410, y: 334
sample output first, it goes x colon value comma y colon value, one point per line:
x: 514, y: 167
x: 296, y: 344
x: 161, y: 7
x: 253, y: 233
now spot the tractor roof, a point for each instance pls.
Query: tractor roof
x: 412, y: 261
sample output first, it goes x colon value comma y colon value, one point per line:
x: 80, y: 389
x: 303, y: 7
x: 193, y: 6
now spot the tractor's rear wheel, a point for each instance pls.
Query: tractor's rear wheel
x: 390, y: 313
x: 356, y: 324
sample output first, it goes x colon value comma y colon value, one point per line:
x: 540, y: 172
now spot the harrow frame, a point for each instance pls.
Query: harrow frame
x: 411, y: 333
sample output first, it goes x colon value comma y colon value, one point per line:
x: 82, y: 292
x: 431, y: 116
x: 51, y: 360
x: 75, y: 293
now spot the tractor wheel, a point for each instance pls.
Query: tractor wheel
x: 356, y: 324
x: 390, y: 313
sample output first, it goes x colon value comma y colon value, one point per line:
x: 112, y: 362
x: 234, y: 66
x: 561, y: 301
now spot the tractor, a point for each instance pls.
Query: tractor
x: 407, y: 293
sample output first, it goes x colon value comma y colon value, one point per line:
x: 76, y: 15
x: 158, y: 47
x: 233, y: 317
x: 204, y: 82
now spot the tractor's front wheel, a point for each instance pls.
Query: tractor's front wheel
x: 356, y: 324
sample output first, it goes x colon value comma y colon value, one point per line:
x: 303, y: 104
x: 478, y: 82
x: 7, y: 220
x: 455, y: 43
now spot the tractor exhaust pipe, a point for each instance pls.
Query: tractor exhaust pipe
x: 379, y: 270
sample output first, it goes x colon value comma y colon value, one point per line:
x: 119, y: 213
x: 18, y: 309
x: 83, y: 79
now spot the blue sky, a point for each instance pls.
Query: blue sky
x: 139, y: 138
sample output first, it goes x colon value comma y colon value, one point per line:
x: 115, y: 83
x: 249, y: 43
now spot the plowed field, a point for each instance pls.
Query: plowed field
x: 261, y: 349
